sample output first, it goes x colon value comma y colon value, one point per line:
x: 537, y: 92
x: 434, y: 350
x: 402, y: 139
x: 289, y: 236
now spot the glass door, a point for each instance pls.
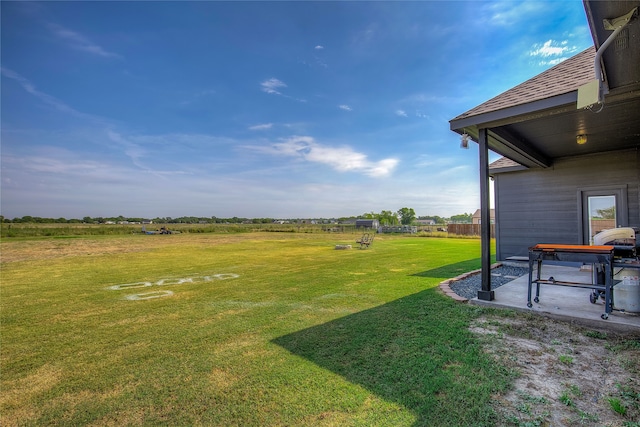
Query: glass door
x: 602, y: 209
x: 602, y: 214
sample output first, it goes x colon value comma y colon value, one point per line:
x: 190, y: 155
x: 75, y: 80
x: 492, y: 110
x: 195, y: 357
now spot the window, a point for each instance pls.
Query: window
x: 602, y: 214
x: 601, y: 209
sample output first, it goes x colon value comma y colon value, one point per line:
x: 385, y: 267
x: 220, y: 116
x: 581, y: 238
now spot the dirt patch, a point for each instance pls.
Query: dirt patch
x: 566, y: 374
x: 31, y: 250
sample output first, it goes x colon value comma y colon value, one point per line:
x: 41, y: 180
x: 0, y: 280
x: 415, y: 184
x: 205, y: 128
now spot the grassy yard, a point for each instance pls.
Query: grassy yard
x: 257, y: 329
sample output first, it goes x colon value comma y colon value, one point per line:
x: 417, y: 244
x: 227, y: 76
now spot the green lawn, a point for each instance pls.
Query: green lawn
x: 264, y: 329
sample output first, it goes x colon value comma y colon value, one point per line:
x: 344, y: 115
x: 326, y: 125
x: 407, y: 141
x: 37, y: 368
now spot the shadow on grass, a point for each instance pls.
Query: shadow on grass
x: 416, y: 351
x: 451, y: 270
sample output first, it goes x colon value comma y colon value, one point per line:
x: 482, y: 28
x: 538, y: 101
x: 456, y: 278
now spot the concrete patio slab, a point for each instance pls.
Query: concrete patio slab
x: 562, y: 302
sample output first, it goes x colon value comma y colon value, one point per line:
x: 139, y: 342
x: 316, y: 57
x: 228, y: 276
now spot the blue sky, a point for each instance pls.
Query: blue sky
x: 258, y: 109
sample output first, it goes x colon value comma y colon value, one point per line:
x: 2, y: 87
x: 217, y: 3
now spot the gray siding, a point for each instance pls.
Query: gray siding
x: 542, y: 205
x: 367, y: 223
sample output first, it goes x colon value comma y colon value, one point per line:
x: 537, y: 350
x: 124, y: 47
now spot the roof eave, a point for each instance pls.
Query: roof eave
x: 518, y: 168
x: 517, y: 113
x: 507, y: 145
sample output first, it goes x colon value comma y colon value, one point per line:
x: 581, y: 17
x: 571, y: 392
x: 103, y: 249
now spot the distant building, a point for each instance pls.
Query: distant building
x: 424, y: 222
x: 476, y: 217
x: 367, y: 223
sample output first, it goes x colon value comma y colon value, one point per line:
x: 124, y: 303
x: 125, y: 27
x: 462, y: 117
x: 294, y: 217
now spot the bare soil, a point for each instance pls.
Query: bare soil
x: 566, y: 375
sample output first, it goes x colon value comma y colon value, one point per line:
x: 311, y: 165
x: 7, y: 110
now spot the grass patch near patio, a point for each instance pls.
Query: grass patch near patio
x: 240, y: 330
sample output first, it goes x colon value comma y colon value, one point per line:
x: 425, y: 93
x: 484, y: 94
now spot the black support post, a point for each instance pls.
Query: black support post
x: 485, y: 293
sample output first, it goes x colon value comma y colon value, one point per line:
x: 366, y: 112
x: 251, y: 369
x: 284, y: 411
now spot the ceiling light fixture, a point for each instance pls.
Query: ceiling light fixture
x: 581, y: 139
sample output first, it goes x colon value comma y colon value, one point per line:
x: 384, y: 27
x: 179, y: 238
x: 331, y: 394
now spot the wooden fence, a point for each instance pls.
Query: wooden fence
x: 468, y: 229
x: 597, y: 224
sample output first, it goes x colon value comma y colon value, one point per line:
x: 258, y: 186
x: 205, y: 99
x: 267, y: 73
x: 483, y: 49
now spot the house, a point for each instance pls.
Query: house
x: 424, y: 222
x: 475, y: 219
x: 367, y: 223
x: 570, y: 138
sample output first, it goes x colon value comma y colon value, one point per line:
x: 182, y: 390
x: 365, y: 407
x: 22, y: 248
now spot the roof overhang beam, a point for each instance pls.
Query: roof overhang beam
x: 524, y: 150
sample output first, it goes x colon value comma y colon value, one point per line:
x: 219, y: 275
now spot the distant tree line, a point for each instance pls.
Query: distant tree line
x: 466, y: 218
x: 404, y: 216
x: 162, y: 220
x: 135, y: 220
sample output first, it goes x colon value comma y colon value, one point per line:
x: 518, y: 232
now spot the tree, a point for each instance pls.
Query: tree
x: 462, y: 219
x: 439, y: 220
x: 407, y: 215
x: 607, y: 213
x: 387, y: 218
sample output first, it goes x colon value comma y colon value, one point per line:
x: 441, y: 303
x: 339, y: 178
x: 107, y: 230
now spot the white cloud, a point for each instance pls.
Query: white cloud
x: 131, y: 149
x: 419, y: 104
x: 550, y: 48
x: 264, y: 126
x: 552, y: 52
x: 50, y: 165
x: 272, y: 85
x: 79, y: 42
x: 319, y: 47
x: 553, y: 61
x: 165, y: 154
x: 342, y: 159
x: 345, y: 107
x: 382, y: 168
x: 43, y: 97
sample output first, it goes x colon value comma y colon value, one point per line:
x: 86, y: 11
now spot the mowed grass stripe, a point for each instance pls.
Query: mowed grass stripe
x: 305, y: 334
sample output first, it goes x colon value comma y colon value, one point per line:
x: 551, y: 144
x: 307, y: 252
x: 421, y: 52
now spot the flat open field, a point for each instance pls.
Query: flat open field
x: 256, y: 329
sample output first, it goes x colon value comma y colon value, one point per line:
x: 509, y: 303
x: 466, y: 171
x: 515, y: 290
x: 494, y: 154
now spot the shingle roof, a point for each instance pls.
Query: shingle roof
x: 563, y: 78
x: 504, y: 164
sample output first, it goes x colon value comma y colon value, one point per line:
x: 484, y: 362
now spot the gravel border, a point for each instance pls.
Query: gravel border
x: 466, y: 286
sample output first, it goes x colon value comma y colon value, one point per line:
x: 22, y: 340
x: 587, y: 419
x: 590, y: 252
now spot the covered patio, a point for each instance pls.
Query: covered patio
x: 569, y: 136
x: 560, y: 302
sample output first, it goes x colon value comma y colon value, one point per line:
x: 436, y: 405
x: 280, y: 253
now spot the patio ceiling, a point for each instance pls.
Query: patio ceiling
x: 538, y: 121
